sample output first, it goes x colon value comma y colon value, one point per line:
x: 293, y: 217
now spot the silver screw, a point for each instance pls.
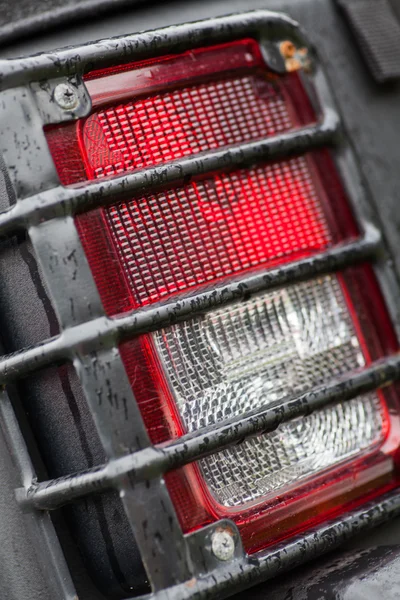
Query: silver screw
x: 223, y: 544
x: 66, y: 96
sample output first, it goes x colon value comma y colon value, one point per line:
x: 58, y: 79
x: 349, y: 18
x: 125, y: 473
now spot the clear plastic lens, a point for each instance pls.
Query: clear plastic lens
x: 236, y: 359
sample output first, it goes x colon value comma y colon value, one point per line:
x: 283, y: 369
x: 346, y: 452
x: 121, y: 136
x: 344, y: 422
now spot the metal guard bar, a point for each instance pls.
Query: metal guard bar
x: 242, y: 573
x: 105, y: 331
x: 258, y: 24
x: 63, y: 201
x: 154, y: 461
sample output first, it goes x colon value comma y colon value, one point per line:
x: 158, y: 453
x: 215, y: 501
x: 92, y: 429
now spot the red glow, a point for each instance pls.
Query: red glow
x: 152, y: 130
x: 205, y: 230
x: 211, y: 229
x: 149, y: 76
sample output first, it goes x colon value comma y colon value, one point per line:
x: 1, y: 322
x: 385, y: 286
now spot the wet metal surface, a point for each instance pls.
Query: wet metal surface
x: 88, y: 328
x: 146, y: 463
x: 60, y: 202
x: 179, y: 567
x: 266, y: 27
x: 360, y: 574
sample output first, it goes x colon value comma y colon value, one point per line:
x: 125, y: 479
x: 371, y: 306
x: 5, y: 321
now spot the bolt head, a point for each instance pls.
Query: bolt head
x: 223, y: 544
x: 66, y: 96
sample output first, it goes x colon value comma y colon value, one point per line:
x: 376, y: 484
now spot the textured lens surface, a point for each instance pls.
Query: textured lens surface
x: 239, y: 358
x: 174, y: 240
x: 177, y: 239
x: 171, y: 125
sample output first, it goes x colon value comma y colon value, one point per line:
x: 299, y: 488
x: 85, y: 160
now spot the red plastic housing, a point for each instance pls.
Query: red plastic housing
x: 204, y: 231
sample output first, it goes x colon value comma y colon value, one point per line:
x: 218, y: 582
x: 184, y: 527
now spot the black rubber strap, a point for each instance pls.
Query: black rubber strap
x: 377, y: 32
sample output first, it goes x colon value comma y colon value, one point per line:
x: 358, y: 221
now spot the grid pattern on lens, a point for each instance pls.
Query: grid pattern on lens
x: 181, y: 122
x: 237, y: 359
x: 174, y: 240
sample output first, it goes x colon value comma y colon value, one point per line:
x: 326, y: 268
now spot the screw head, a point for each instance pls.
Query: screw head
x: 66, y: 96
x: 223, y: 544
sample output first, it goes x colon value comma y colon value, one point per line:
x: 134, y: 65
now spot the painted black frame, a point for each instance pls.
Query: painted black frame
x: 178, y: 566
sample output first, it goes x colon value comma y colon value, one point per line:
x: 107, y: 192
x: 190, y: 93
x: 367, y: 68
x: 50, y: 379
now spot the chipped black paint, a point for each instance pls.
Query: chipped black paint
x: 150, y: 462
x: 241, y: 574
x: 50, y: 112
x: 61, y: 202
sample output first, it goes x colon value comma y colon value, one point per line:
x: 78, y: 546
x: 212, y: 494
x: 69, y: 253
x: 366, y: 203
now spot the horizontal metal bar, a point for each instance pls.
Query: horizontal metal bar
x: 151, y: 462
x: 241, y: 573
x: 258, y: 24
x: 61, y: 201
x: 104, y: 331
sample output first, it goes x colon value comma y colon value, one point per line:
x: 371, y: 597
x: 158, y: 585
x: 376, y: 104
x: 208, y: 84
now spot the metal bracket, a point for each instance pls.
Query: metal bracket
x: 211, y: 546
x: 62, y: 99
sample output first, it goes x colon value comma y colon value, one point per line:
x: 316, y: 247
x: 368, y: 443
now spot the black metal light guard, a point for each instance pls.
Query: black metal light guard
x: 186, y: 569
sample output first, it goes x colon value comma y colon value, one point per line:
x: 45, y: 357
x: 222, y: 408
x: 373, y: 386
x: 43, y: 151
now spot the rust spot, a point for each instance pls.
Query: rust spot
x: 295, y: 58
x: 288, y: 49
x: 292, y: 64
x: 191, y: 583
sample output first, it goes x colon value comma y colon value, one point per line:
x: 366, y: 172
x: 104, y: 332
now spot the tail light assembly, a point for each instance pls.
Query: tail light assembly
x: 221, y: 292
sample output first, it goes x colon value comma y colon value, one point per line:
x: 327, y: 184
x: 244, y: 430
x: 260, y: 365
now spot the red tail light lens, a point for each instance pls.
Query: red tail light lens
x: 211, y: 229
x: 254, y: 353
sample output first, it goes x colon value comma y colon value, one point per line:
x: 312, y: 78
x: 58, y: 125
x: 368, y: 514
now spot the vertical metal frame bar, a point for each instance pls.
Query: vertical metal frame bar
x: 41, y: 527
x: 75, y: 298
x: 357, y: 193
x: 108, y: 392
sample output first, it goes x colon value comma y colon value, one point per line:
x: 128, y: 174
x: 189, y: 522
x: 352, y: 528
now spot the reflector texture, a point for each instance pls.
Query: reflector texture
x: 185, y: 121
x: 253, y: 354
x: 174, y: 240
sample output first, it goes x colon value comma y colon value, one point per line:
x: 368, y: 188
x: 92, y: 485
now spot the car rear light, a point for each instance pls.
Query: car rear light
x: 206, y: 231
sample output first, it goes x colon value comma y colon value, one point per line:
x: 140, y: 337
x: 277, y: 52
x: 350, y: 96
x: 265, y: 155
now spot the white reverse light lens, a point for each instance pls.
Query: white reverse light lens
x: 248, y: 355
